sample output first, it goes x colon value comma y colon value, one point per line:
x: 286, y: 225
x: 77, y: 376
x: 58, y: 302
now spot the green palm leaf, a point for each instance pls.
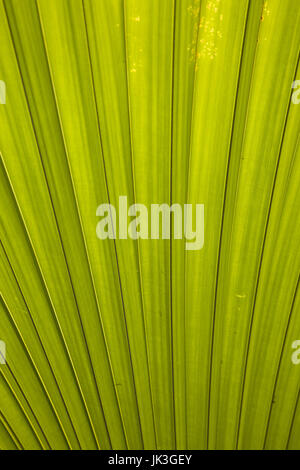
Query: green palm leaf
x: 142, y: 344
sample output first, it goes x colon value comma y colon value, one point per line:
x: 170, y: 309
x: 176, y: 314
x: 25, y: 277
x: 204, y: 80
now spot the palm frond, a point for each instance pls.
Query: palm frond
x: 142, y: 344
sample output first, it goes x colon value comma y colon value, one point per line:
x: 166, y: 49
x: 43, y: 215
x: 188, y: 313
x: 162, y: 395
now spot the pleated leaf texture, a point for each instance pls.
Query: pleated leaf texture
x: 143, y: 344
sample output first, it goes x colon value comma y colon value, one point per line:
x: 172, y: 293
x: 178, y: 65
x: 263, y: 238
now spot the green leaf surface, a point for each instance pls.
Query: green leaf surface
x: 140, y: 343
